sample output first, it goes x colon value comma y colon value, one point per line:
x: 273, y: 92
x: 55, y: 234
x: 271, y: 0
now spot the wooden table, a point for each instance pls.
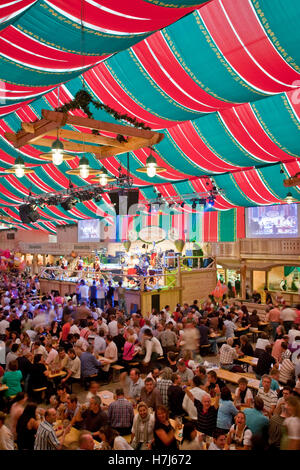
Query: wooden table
x: 72, y: 438
x: 248, y: 360
x: 234, y: 378
x: 107, y: 397
x: 61, y: 373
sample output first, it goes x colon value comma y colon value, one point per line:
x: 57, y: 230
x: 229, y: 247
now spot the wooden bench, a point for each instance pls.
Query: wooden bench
x: 39, y: 393
x: 205, y: 348
x: 116, y: 368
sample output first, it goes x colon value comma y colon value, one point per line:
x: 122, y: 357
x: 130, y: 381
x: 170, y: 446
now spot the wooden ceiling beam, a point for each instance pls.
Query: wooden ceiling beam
x: 85, y: 137
x: 132, y: 144
x: 100, y: 125
x: 71, y: 146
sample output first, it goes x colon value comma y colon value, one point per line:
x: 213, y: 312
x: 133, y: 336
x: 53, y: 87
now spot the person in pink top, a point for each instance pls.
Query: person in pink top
x: 274, y: 318
x: 276, y: 351
x: 129, y: 350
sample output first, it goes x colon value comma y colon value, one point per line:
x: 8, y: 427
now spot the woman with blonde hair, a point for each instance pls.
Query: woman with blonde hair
x: 239, y: 434
x: 142, y: 428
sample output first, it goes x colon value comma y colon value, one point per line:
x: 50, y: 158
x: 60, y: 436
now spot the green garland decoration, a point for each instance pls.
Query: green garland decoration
x: 83, y: 100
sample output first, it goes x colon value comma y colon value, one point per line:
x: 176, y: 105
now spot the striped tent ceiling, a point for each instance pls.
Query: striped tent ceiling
x: 221, y: 80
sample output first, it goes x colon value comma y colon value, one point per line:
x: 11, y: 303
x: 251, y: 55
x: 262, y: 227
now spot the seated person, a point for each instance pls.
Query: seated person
x: 91, y: 418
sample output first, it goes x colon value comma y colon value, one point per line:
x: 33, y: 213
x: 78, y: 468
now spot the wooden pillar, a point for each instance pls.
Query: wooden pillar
x: 243, y: 279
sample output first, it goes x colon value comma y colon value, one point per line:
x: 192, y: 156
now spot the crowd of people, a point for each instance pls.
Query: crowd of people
x: 57, y: 353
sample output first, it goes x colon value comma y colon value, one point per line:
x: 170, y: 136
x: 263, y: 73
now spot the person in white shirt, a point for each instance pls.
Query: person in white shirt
x: 4, y: 324
x: 152, y: 346
x: 198, y: 393
x: 74, y: 328
x: 113, y: 326
x: 84, y: 292
x: 219, y: 441
x: 293, y: 333
x: 288, y: 316
x: 101, y: 293
x: 6, y: 436
x: 99, y: 343
x: 52, y: 354
x: 101, y: 325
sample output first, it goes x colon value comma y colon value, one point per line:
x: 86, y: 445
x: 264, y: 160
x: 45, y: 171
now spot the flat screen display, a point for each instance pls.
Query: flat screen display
x: 279, y: 221
x: 89, y: 230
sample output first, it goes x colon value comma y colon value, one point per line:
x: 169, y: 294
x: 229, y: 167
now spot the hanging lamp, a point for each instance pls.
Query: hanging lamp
x: 103, y: 177
x: 84, y: 170
x: 19, y: 168
x: 151, y: 167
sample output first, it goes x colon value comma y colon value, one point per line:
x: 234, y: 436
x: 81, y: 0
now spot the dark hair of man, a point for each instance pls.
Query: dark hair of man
x: 196, y: 381
x: 15, y: 347
x: 174, y: 377
x: 73, y: 398
x: 258, y: 404
x: 148, y: 379
x: 13, y: 365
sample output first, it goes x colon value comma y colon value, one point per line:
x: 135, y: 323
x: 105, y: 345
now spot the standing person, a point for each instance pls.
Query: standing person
x: 121, y: 291
x: 152, y: 346
x: 101, y: 293
x: 93, y: 294
x: 110, y: 294
x: 191, y: 338
x: 27, y: 426
x: 288, y: 316
x: 175, y: 396
x: 292, y: 423
x: 265, y: 361
x: 273, y: 316
x: 46, y: 438
x: 16, y: 411
x: 120, y: 414
x: 164, y: 383
x: 164, y: 436
x: 84, y: 292
x: 227, y: 411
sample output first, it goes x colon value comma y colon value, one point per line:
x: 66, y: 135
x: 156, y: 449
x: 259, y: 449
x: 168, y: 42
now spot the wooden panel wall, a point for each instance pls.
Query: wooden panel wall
x: 197, y: 284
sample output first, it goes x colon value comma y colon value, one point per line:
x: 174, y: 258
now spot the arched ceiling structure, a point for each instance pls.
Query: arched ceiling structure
x: 220, y: 79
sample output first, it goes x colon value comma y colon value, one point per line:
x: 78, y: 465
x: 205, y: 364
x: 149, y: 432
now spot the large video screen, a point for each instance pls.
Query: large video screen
x: 280, y: 221
x: 89, y: 230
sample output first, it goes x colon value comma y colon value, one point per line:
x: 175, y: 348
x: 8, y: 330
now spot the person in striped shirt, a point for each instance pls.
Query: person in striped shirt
x: 45, y: 438
x: 268, y: 396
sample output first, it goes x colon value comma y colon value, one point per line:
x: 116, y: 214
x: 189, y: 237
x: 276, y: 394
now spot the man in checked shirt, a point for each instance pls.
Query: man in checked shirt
x: 120, y: 413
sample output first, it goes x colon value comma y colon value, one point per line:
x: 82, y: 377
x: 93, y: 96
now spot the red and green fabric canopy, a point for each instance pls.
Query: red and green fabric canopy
x: 220, y: 79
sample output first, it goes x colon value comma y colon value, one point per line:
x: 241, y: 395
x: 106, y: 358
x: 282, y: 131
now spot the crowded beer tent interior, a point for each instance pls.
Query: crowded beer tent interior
x: 149, y: 225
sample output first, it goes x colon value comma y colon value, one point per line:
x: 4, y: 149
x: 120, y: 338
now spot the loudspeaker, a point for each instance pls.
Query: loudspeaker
x: 28, y: 214
x: 123, y: 202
